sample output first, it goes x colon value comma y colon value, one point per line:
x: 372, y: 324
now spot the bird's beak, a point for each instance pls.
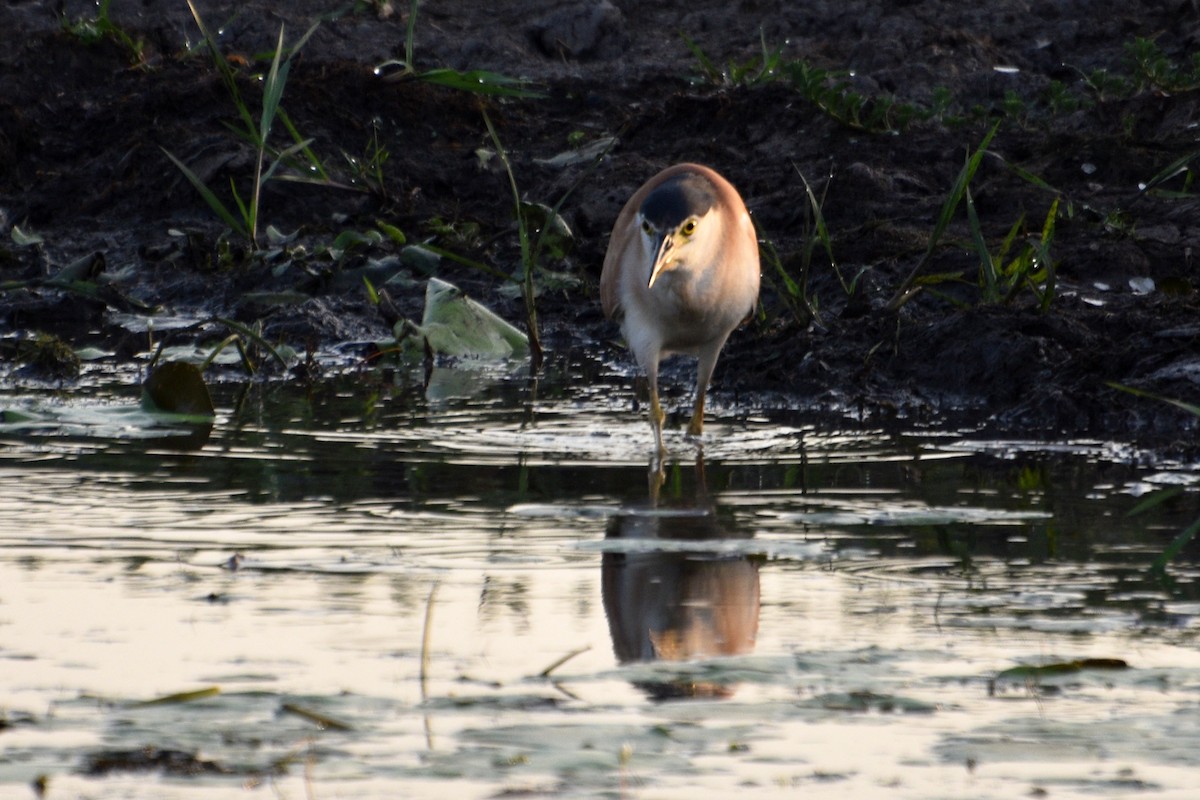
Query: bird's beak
x: 662, y: 257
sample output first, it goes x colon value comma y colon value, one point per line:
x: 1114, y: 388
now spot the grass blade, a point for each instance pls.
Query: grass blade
x: 317, y: 166
x: 527, y: 286
x: 272, y: 90
x: 282, y: 157
x: 409, y: 35
x: 706, y: 64
x: 1189, y: 407
x: 253, y: 336
x: 909, y: 287
x: 478, y: 81
x: 1154, y: 500
x: 821, y: 229
x: 227, y: 75
x: 987, y: 267
x: 1176, y: 167
x: 213, y: 201
x: 1177, y: 544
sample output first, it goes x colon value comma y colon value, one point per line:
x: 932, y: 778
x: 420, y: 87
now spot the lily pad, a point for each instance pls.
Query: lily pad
x: 1026, y: 674
x: 178, y: 387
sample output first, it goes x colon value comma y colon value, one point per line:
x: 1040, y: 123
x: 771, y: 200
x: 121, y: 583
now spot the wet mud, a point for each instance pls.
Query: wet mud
x: 1083, y: 115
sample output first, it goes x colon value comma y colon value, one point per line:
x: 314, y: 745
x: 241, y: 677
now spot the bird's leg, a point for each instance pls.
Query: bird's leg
x: 704, y: 371
x: 657, y: 417
x: 656, y: 477
x: 696, y: 426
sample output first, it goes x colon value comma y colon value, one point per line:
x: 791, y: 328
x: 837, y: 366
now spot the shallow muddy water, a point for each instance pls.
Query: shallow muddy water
x: 372, y: 589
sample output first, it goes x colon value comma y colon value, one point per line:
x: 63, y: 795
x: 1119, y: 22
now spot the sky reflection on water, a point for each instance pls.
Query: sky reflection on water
x: 800, y: 609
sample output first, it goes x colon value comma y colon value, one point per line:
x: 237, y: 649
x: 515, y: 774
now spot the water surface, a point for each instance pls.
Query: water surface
x: 378, y: 583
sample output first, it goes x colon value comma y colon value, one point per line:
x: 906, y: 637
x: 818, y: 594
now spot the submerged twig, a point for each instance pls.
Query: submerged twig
x: 317, y: 718
x: 546, y: 672
x: 182, y: 697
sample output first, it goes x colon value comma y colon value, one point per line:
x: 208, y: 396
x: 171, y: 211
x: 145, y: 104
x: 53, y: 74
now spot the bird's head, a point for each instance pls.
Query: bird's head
x: 680, y: 224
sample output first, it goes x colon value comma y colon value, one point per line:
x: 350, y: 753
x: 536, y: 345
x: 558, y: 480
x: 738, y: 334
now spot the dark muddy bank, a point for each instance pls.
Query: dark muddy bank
x: 1079, y: 106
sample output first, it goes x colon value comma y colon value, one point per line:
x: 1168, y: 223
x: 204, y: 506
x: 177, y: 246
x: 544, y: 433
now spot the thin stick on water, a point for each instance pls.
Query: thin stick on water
x: 425, y: 637
x: 546, y: 672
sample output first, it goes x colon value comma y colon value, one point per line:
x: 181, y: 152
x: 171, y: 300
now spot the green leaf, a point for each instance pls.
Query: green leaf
x: 23, y: 238
x: 1027, y: 672
x: 213, y: 201
x: 957, y: 192
x: 1177, y: 544
x: 254, y: 336
x: 284, y: 155
x: 272, y: 90
x: 178, y: 387
x: 987, y: 267
x: 1189, y: 407
x: 480, y: 82
x: 1154, y: 500
x: 456, y: 325
x: 391, y: 231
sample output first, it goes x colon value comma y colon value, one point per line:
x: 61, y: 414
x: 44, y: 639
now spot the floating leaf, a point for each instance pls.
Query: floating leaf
x: 178, y: 387
x: 1027, y: 673
x: 456, y: 325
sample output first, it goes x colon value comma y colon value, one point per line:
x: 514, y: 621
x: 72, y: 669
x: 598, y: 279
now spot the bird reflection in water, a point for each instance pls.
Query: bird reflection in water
x: 682, y: 602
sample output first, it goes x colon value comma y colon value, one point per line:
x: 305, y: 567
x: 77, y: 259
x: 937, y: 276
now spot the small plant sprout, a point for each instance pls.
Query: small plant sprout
x: 256, y: 131
x: 1031, y: 265
x: 763, y: 68
x: 829, y: 91
x: 540, y: 230
x: 912, y: 284
x: 1154, y: 71
x: 368, y: 169
x: 91, y: 30
x: 794, y: 290
x: 528, y: 251
x: 816, y: 232
x: 476, y: 81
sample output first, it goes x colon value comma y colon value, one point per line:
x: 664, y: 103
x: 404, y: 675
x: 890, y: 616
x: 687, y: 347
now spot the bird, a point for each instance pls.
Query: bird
x: 680, y: 274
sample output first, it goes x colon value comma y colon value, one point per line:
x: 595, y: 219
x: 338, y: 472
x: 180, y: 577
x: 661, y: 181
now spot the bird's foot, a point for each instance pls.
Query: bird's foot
x: 656, y: 477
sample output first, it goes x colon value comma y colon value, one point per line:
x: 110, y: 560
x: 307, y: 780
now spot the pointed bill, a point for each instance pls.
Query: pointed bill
x: 662, y: 256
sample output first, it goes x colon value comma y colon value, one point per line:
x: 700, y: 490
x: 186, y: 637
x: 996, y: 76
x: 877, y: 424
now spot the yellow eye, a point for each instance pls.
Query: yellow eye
x: 689, y: 227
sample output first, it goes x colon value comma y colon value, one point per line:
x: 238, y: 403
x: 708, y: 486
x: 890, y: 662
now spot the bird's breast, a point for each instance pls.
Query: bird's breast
x: 693, y: 307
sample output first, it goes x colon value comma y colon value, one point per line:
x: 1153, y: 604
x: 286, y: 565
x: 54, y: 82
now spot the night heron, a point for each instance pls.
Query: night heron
x: 681, y: 272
